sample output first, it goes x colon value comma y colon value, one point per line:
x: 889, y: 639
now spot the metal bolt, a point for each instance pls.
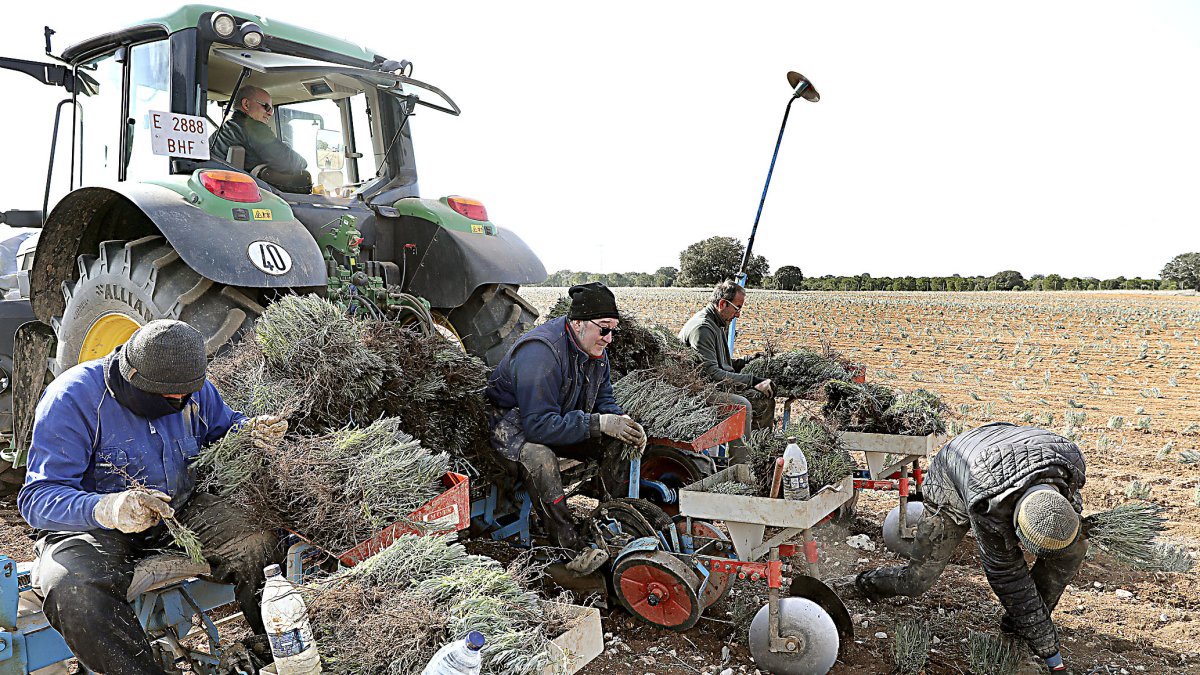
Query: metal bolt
x: 791, y: 645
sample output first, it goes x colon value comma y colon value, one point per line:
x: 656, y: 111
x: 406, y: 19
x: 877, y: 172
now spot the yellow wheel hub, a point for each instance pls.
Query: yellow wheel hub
x: 109, y: 332
x: 444, y: 328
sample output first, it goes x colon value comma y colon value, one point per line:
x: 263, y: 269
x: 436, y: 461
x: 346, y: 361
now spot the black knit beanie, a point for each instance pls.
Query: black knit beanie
x: 592, y: 301
x: 165, y: 357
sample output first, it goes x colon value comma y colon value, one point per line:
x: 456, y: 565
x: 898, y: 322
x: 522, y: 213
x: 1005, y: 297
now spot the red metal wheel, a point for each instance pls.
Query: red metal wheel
x: 719, y: 583
x: 659, y: 589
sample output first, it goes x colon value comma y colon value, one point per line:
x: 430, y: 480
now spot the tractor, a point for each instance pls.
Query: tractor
x: 139, y: 221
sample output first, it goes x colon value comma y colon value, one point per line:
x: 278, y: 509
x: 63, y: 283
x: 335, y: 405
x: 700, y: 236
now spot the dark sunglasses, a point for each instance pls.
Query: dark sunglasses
x: 606, y: 330
x: 266, y: 106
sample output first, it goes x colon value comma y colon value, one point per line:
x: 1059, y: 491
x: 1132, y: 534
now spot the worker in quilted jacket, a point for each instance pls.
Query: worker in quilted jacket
x: 1018, y: 489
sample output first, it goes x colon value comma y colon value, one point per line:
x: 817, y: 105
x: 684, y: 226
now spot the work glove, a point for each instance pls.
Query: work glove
x: 133, y: 510
x: 266, y: 431
x: 623, y: 429
x: 766, y: 387
x: 1055, y: 663
x: 641, y: 445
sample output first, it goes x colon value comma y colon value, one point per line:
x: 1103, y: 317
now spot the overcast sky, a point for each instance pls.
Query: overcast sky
x: 951, y: 137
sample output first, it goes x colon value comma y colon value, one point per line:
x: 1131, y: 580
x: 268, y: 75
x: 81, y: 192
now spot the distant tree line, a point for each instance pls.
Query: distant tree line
x: 709, y: 261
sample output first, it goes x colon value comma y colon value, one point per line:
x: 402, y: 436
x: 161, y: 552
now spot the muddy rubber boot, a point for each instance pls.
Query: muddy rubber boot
x: 587, y: 561
x: 560, y: 526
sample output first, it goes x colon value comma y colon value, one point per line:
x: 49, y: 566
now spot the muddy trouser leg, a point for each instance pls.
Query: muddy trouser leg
x: 937, y: 537
x: 1052, y: 574
x: 237, y: 548
x: 738, y: 454
x: 543, y: 482
x: 84, y: 577
x: 763, y: 412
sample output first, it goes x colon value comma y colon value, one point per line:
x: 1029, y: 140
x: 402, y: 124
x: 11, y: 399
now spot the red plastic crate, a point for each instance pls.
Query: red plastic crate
x: 447, y: 512
x: 726, y: 431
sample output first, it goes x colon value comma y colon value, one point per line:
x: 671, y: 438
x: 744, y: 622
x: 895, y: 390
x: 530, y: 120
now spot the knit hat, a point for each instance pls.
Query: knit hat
x: 592, y: 301
x: 1046, y: 522
x: 165, y: 357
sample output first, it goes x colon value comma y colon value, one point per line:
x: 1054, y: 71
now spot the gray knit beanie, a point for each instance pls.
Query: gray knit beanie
x: 165, y: 357
x: 1046, y: 522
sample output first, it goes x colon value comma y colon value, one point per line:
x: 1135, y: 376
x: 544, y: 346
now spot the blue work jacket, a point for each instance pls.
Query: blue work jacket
x: 546, y: 390
x: 85, y: 442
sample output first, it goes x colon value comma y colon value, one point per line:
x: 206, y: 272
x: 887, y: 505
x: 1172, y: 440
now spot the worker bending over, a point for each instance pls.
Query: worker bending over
x: 113, y: 443
x: 552, y: 395
x: 1017, y: 487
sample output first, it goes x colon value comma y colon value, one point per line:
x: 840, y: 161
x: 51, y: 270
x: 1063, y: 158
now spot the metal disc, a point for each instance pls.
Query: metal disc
x: 719, y: 583
x: 891, y: 529
x: 802, y: 618
x: 658, y: 588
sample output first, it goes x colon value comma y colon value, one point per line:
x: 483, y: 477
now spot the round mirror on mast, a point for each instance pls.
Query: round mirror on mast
x: 809, y: 92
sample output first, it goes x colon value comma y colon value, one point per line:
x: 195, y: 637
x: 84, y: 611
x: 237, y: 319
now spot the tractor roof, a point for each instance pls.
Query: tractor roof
x: 188, y: 16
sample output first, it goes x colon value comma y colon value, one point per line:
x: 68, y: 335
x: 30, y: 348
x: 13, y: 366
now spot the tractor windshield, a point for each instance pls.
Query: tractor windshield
x: 325, y: 112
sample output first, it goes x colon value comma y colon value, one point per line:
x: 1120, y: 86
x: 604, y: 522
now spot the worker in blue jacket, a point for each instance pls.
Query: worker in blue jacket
x: 113, y: 441
x: 552, y: 395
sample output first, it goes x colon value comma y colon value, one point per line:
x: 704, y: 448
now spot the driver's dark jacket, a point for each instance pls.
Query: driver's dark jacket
x: 261, y: 144
x: 977, y: 479
x: 546, y: 390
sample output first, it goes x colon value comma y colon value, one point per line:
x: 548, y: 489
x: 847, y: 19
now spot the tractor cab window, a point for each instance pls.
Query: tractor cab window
x: 148, y: 91
x: 98, y: 122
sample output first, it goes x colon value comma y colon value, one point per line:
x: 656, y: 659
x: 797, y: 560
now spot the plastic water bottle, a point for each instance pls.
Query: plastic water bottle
x: 795, y: 472
x: 457, y: 658
x: 286, y: 619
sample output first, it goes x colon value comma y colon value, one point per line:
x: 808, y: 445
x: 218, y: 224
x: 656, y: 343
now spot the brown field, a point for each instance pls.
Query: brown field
x: 1125, y: 367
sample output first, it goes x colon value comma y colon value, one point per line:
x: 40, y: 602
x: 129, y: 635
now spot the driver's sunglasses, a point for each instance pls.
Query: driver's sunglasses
x: 606, y: 330
x: 266, y: 106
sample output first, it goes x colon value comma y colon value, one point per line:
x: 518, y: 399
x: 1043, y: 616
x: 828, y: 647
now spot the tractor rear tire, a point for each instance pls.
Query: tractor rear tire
x: 132, y: 283
x: 491, y: 320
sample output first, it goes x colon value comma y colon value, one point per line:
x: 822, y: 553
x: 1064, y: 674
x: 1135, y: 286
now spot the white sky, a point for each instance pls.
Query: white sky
x: 952, y: 137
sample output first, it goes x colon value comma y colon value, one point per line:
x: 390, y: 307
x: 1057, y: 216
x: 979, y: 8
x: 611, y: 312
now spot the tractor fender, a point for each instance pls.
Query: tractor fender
x: 215, y: 246
x: 461, y: 255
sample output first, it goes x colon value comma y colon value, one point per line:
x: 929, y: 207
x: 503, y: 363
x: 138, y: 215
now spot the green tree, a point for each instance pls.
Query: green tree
x: 1184, y: 270
x: 1008, y: 280
x: 707, y: 262
x: 665, y: 276
x: 789, y: 278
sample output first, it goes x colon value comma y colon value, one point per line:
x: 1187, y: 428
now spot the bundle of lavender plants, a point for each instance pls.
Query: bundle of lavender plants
x: 800, y: 373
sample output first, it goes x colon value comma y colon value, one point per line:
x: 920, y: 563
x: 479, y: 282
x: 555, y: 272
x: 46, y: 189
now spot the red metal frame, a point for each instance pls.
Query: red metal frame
x: 772, y: 572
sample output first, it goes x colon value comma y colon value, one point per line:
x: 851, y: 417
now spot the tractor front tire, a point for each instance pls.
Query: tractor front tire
x: 491, y: 320
x: 130, y: 283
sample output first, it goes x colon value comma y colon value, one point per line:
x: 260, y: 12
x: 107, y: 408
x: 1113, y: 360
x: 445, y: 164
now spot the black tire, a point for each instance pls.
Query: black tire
x: 491, y: 320
x: 673, y: 467
x: 144, y: 280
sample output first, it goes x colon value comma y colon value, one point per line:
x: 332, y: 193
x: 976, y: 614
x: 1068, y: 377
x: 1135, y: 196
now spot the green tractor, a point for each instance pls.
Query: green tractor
x: 139, y: 221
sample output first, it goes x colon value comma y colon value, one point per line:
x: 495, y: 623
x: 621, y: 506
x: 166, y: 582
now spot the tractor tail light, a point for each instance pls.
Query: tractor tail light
x: 471, y: 208
x: 230, y: 185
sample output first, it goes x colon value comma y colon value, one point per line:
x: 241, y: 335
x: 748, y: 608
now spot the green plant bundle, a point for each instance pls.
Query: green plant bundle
x: 1129, y: 534
x: 875, y: 408
x: 910, y: 647
x: 989, y: 654
x: 733, y: 487
x: 828, y: 461
x: 335, y: 489
x: 392, y: 612
x: 799, y: 373
x: 665, y: 410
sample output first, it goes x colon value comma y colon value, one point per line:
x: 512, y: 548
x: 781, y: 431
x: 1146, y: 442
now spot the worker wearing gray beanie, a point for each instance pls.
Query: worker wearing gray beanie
x: 165, y: 357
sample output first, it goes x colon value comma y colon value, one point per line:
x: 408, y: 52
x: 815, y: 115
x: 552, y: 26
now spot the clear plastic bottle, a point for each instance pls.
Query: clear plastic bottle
x: 795, y: 472
x: 458, y: 658
x: 286, y: 619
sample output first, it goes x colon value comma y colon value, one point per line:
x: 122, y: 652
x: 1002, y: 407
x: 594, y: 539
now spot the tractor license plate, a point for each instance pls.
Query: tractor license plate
x: 178, y: 135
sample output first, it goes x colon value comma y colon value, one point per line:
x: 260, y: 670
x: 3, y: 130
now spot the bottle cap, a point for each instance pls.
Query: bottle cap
x: 791, y: 439
x: 271, y: 571
x: 475, y: 640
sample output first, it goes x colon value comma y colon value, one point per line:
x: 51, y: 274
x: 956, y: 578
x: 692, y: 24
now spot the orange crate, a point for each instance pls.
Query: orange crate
x: 726, y: 431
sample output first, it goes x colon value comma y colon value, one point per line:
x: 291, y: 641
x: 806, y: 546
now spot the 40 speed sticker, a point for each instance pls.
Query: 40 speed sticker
x: 270, y: 257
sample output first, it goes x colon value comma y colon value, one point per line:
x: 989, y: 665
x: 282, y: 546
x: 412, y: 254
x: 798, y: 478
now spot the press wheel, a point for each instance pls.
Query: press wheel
x: 659, y: 589
x: 719, y: 583
x: 818, y: 644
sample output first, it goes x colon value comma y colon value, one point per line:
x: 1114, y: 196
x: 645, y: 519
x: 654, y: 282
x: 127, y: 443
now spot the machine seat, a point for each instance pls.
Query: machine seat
x: 163, y: 569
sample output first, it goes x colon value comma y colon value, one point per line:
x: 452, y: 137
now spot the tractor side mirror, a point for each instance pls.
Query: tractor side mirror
x: 331, y: 154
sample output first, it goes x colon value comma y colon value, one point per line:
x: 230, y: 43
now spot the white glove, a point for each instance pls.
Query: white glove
x: 133, y: 510
x: 623, y: 429
x: 765, y: 387
x: 266, y: 431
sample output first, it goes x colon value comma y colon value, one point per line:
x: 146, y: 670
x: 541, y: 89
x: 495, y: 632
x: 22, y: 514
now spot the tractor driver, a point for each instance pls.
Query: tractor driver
x: 267, y: 157
x: 707, y: 332
x: 553, y: 398
x: 113, y: 440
